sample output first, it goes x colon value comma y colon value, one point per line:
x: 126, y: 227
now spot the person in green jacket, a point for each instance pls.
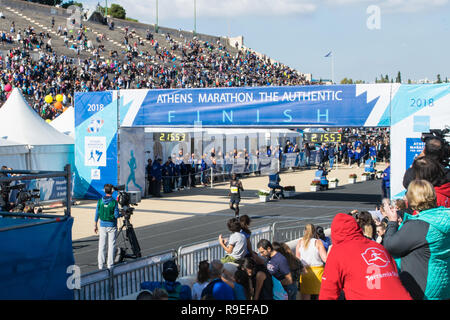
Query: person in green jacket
x: 421, y: 243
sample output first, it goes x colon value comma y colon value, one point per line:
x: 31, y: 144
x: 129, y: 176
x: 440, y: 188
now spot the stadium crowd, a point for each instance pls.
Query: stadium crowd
x: 200, y: 64
x: 398, y: 251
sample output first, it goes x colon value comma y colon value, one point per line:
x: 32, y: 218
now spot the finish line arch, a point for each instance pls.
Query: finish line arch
x: 408, y: 109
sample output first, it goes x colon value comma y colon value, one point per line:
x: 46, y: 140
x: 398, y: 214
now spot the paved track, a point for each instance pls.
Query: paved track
x: 309, y: 207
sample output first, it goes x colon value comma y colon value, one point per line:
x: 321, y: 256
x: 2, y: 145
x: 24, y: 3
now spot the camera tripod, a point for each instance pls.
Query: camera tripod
x: 128, y: 237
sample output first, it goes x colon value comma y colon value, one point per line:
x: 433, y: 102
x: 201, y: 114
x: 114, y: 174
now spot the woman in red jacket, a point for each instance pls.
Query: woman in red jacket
x: 359, y: 267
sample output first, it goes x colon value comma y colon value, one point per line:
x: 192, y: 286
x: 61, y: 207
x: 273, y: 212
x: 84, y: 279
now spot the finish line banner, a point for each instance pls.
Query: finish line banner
x: 408, y: 109
x: 338, y: 105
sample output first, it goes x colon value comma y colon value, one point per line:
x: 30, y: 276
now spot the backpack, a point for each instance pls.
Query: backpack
x: 278, y: 291
x: 106, y: 211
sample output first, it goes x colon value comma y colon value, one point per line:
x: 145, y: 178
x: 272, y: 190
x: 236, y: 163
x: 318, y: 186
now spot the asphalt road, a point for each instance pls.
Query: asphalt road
x: 318, y: 208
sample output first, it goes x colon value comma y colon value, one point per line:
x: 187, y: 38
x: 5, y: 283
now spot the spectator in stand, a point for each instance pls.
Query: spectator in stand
x: 381, y: 230
x: 367, y: 224
x: 160, y: 294
x: 217, y: 289
x: 261, y: 279
x: 278, y: 266
x: 320, y: 234
x: 175, y: 289
x: 359, y: 267
x: 421, y: 243
x: 295, y: 264
x: 236, y: 246
x: 312, y: 254
x: 245, y: 220
x: 144, y: 295
x: 202, y: 280
x: 425, y: 168
x: 239, y: 281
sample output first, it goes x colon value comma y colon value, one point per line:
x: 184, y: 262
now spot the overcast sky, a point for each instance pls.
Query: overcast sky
x: 367, y: 37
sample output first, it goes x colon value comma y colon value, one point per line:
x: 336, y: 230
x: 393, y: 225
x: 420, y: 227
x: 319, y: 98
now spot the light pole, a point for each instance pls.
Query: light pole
x: 106, y: 9
x: 195, y: 17
x: 156, y: 25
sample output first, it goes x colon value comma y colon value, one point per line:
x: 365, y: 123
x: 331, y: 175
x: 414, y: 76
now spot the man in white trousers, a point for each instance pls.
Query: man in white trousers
x: 107, y: 212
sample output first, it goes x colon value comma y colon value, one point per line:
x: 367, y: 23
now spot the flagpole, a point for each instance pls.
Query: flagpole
x: 332, y: 68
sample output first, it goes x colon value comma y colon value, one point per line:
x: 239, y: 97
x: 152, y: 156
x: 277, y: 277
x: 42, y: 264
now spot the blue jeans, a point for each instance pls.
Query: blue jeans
x: 331, y: 163
x: 291, y: 291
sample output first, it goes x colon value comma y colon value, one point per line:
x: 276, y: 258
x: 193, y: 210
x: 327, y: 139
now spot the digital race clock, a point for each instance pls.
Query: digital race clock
x: 321, y: 137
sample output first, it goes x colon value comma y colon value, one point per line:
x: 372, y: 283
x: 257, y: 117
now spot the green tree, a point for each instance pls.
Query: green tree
x: 117, y: 11
x: 67, y: 4
x: 47, y: 2
x: 439, y: 79
x: 346, y: 81
x: 399, y: 78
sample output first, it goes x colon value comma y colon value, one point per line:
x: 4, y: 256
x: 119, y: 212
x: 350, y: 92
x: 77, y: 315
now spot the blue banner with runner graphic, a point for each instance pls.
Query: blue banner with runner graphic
x: 95, y: 143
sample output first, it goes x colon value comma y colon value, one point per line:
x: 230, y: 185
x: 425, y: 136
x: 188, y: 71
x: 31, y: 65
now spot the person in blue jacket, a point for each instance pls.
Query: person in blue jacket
x: 386, y: 181
x: 157, y: 177
x: 350, y: 156
x: 175, y: 290
x: 373, y: 152
x: 357, y: 156
x: 167, y: 174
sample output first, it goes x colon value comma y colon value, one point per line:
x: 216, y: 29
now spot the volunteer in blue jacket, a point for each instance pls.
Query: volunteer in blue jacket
x: 386, y: 182
x: 107, y: 212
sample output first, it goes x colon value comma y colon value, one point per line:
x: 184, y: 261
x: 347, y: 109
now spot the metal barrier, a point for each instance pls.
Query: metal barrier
x: 122, y: 279
x: 290, y: 232
x: 190, y: 256
x: 94, y: 286
x: 125, y: 278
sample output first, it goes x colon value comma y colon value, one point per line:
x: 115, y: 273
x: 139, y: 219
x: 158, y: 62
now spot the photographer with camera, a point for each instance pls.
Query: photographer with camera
x: 107, y: 212
x: 436, y: 149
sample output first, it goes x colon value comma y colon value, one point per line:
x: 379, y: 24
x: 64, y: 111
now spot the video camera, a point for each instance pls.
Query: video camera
x: 23, y: 198
x: 441, y: 135
x: 126, y: 199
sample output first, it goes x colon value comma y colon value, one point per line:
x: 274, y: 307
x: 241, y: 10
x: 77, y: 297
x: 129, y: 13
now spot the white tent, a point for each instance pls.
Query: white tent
x: 65, y: 122
x: 13, y: 155
x: 49, y: 148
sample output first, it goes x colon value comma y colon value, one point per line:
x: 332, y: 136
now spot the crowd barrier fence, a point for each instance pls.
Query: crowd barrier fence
x: 125, y: 278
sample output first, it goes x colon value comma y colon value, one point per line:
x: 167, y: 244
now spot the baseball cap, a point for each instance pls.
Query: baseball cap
x: 170, y: 270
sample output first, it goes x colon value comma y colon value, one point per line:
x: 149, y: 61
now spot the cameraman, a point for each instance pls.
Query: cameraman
x: 435, y: 149
x: 108, y: 212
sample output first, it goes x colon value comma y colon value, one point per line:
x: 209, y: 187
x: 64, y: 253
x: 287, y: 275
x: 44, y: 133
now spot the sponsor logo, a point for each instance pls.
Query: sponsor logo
x: 376, y: 257
x: 95, y: 125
